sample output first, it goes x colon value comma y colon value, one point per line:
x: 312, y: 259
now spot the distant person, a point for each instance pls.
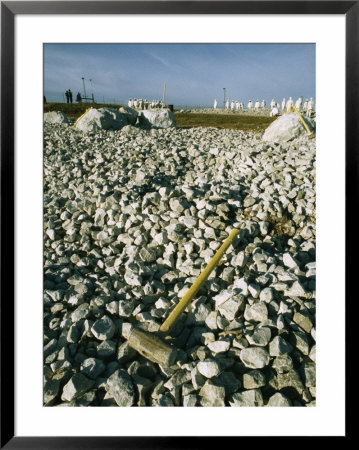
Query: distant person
x: 305, y: 106
x: 283, y: 104
x: 298, y: 103
x: 310, y: 107
x: 237, y: 105
x: 250, y: 104
x: 241, y: 106
x: 215, y: 104
x: 257, y: 104
x: 274, y: 112
x: 67, y: 96
x: 70, y: 95
x: 232, y: 105
x: 289, y: 104
x: 78, y: 98
x: 227, y: 104
x: 272, y: 103
x: 263, y: 104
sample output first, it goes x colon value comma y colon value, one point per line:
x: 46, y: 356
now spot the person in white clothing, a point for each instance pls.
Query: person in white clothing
x: 298, y: 103
x: 289, y: 103
x: 237, y: 105
x: 274, y: 112
x: 227, y: 104
x: 215, y: 104
x: 272, y: 103
x: 232, y: 105
x: 250, y: 104
x: 257, y: 104
x: 263, y: 104
x: 283, y: 104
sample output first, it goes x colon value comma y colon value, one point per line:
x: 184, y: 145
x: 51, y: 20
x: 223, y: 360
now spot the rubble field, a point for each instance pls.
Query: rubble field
x: 131, y: 218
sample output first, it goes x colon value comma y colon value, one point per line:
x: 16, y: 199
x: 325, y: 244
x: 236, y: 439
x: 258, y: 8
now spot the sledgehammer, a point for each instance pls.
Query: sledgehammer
x: 151, y: 346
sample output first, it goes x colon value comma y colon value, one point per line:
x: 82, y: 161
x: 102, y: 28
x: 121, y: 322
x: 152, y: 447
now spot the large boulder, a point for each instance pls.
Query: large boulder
x: 162, y: 118
x: 130, y: 113
x: 286, y: 128
x: 55, y: 117
x: 102, y: 119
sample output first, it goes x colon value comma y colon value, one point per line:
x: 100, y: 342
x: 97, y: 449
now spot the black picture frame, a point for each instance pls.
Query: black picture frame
x: 9, y: 9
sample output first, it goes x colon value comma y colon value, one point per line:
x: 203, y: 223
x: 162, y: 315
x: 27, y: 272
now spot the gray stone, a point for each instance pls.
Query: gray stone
x: 81, y: 312
x: 282, y: 363
x: 279, y: 346
x: 230, y: 308
x: 254, y: 357
x: 103, y: 328
x: 290, y: 379
x: 119, y: 386
x: 208, y: 368
x: 219, y: 346
x: 309, y: 374
x: 296, y: 290
x: 261, y: 336
x: 266, y: 295
x: 279, y: 399
x: 253, y: 379
x: 212, y: 395
x: 252, y: 397
x: 51, y: 391
x: 190, y: 400
x: 125, y: 353
x: 78, y: 385
x: 257, y: 312
x: 106, y: 348
x: 92, y: 368
x: 130, y: 113
x: 303, y: 320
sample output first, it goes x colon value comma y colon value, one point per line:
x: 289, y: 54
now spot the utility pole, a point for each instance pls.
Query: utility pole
x: 164, y: 96
x: 93, y: 98
x: 83, y: 80
x: 224, y: 97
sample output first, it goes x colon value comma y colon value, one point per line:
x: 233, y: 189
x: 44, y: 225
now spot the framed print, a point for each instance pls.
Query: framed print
x: 176, y: 181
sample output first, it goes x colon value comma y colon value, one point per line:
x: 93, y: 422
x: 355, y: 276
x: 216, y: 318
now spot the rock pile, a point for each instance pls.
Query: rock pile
x: 131, y: 217
x: 287, y: 127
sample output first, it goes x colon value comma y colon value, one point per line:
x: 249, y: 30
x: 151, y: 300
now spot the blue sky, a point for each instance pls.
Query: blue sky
x: 195, y: 74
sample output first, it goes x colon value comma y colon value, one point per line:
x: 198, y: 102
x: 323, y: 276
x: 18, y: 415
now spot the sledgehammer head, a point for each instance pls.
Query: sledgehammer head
x: 149, y: 345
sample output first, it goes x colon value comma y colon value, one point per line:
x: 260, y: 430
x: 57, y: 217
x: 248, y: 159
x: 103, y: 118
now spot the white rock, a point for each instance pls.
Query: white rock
x: 208, y: 368
x: 55, y: 117
x: 286, y: 128
x: 163, y: 118
x: 254, y: 357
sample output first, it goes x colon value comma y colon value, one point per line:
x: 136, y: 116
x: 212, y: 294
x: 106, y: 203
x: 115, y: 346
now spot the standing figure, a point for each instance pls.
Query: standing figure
x: 250, y: 104
x: 298, y: 103
x: 130, y: 103
x: 237, y: 105
x: 283, y: 104
x: 78, y: 98
x: 257, y: 104
x: 67, y: 96
x: 70, y: 95
x: 289, y: 103
x: 232, y: 105
x: 272, y: 103
x: 310, y: 107
x: 227, y: 104
x: 263, y: 104
x: 241, y: 106
x: 215, y: 104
